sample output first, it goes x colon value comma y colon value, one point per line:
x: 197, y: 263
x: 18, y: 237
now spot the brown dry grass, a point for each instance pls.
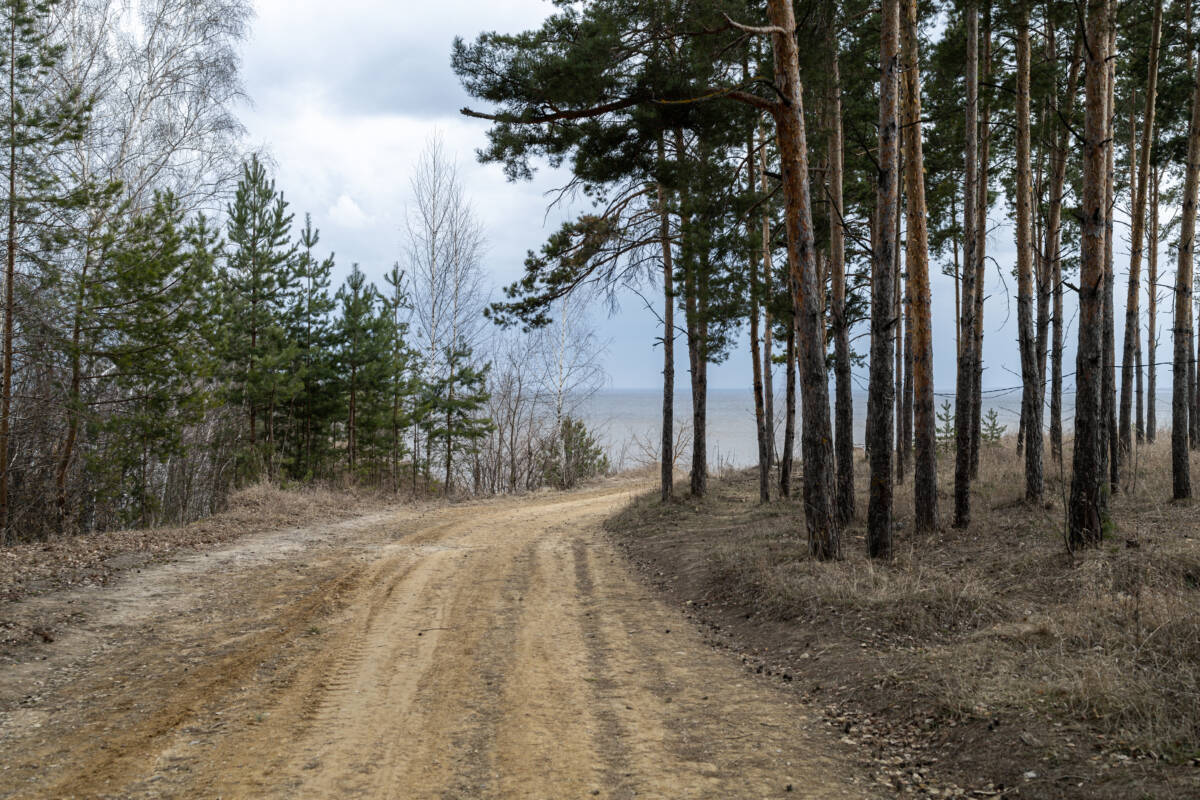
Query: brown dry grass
x: 994, y: 621
x: 37, y: 567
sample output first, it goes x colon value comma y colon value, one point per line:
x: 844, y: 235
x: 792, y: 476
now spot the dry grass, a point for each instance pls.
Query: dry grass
x: 996, y: 620
x: 37, y: 567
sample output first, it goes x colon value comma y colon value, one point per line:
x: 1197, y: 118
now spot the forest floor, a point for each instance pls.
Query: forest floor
x: 985, y: 662
x: 499, y: 648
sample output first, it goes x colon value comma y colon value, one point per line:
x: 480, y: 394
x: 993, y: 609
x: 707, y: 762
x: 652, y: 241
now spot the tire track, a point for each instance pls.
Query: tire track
x: 494, y: 650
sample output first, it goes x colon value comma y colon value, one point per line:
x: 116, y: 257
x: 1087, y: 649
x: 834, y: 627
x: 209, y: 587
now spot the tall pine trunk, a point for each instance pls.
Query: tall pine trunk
x: 844, y: 388
x: 1053, y: 245
x: 1181, y: 396
x: 760, y: 413
x: 667, y: 465
x: 883, y: 312
x: 697, y: 346
x: 1111, y: 457
x: 1031, y: 379
x: 920, y: 304
x: 768, y: 278
x: 824, y: 529
x: 698, y: 362
x: 906, y: 426
x: 1084, y: 512
x: 1152, y: 318
x: 1139, y: 188
x: 1051, y: 230
x: 981, y: 232
x: 964, y: 393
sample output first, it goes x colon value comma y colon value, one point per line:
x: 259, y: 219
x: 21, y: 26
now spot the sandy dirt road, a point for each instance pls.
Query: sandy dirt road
x: 492, y: 650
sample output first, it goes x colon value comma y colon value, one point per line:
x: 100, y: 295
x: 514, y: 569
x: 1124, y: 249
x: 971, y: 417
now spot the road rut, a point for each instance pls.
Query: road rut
x: 491, y: 650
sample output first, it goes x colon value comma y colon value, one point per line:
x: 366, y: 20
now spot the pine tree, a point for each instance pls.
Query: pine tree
x: 456, y: 400
x: 363, y: 339
x: 308, y: 326
x: 143, y: 338
x: 257, y: 281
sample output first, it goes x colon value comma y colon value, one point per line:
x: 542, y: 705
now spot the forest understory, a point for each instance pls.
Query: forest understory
x: 986, y: 662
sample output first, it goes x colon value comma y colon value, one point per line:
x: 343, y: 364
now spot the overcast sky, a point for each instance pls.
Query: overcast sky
x: 346, y: 94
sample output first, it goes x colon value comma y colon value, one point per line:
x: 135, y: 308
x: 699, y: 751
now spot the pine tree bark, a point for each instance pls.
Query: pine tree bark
x: 768, y: 279
x: 667, y: 466
x: 1051, y: 235
x: 768, y: 360
x: 906, y: 430
x: 698, y: 362
x: 883, y: 310
x: 1112, y: 456
x: 920, y: 302
x: 1139, y: 188
x: 844, y: 388
x: 957, y: 282
x: 1139, y: 432
x: 1180, y: 394
x: 1084, y: 511
x: 697, y: 339
x: 824, y: 529
x: 964, y: 394
x: 981, y: 232
x: 768, y: 332
x: 760, y: 415
x: 1053, y: 244
x: 1031, y: 379
x: 1152, y: 318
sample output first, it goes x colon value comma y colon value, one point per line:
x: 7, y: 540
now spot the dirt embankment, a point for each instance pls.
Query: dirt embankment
x: 980, y: 663
x: 33, y: 568
x: 498, y: 649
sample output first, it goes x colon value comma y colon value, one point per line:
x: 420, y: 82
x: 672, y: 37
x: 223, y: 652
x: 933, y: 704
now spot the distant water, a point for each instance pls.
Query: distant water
x: 628, y: 421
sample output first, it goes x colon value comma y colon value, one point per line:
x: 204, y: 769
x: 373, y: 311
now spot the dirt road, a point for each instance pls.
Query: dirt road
x: 490, y: 650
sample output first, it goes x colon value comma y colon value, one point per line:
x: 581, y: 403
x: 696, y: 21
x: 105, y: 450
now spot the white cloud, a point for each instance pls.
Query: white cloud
x: 346, y: 213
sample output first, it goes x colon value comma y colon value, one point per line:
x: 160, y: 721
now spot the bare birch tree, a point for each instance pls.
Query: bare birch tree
x: 445, y: 251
